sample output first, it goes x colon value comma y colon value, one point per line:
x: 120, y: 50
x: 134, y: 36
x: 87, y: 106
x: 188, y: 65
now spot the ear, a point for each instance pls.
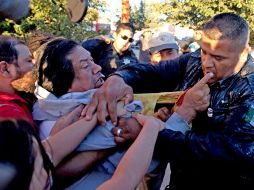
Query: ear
x: 4, y: 69
x: 244, y: 54
x: 198, y: 35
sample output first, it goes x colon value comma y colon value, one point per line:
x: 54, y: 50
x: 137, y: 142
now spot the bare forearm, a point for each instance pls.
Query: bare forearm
x: 67, y: 120
x: 74, y: 134
x: 135, y: 162
x: 78, y: 164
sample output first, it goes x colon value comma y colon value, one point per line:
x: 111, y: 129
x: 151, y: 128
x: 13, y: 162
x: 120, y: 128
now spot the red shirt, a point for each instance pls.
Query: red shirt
x: 13, y: 106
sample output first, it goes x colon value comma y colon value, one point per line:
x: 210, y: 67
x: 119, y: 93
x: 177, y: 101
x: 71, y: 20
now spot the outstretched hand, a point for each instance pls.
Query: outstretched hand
x: 67, y: 119
x: 146, y: 120
x: 105, y: 99
x: 129, y: 130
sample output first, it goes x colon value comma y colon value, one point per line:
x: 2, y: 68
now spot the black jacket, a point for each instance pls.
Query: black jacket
x: 218, y: 151
x: 105, y: 55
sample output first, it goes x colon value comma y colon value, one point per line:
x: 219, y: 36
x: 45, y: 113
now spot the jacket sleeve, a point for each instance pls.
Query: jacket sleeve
x: 230, y: 140
x: 145, y: 78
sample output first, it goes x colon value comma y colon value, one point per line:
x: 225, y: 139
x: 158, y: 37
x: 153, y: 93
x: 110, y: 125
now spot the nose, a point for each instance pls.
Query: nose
x: 96, y: 68
x: 207, y: 61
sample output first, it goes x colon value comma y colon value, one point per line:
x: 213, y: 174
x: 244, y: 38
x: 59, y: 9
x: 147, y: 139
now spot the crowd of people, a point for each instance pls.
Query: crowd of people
x: 70, y: 129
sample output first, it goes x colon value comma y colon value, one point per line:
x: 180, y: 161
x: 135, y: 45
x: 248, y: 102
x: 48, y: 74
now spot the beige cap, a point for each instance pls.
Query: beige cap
x: 161, y: 41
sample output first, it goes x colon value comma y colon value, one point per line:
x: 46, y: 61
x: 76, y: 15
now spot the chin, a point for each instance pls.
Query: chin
x: 212, y: 81
x: 98, y: 85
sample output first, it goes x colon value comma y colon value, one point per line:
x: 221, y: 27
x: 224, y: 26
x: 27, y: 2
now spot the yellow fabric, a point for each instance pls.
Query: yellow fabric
x: 151, y: 99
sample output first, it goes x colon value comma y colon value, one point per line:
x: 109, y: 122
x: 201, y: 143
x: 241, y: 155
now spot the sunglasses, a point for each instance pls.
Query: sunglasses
x: 127, y: 38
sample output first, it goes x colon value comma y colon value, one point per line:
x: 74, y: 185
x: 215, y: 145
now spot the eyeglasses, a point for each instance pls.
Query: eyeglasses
x: 127, y: 38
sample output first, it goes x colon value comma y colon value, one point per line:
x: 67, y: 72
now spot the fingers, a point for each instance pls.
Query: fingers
x: 119, y: 140
x: 128, y: 95
x: 102, y: 110
x: 104, y: 101
x: 90, y: 108
x: 114, y: 131
x: 121, y: 135
x: 163, y: 114
x: 140, y: 118
x: 112, y: 110
x: 204, y: 80
x: 76, y: 113
x: 112, y: 103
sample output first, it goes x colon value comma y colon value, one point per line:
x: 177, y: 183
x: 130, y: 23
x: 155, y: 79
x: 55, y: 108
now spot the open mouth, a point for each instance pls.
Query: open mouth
x: 100, y: 81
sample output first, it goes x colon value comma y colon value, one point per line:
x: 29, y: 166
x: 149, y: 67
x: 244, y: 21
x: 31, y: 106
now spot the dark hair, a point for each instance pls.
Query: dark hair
x: 56, y: 72
x: 126, y: 26
x: 228, y: 26
x: 36, y: 39
x: 8, y: 51
x: 16, y: 146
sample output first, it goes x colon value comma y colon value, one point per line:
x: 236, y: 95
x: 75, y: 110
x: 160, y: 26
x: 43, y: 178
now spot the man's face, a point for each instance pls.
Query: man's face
x: 221, y: 57
x: 122, y: 40
x: 25, y: 61
x: 87, y: 73
x: 166, y: 54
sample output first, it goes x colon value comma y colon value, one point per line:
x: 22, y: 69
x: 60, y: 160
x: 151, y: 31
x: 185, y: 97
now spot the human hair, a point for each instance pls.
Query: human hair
x: 56, y: 72
x: 16, y: 146
x: 228, y: 26
x: 8, y: 52
x: 36, y: 39
x: 126, y: 26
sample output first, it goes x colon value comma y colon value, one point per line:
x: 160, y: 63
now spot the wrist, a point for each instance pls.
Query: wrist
x: 188, y: 114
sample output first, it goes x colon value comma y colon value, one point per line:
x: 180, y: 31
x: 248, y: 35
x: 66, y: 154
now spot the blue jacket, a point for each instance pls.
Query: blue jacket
x: 218, y: 151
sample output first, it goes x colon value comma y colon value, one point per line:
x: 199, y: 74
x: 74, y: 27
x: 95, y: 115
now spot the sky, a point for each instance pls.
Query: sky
x: 115, y: 7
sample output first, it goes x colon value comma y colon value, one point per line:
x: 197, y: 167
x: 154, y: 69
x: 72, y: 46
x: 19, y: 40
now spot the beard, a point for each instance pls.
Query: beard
x: 26, y: 83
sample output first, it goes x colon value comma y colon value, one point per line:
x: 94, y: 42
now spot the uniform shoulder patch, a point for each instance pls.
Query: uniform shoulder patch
x: 250, y: 115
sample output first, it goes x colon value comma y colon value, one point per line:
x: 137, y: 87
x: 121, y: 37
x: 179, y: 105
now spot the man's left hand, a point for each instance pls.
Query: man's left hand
x: 126, y: 131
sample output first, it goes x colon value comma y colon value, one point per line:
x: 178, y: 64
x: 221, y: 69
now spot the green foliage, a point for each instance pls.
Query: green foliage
x: 156, y: 14
x: 193, y: 13
x: 137, y: 16
x: 51, y: 16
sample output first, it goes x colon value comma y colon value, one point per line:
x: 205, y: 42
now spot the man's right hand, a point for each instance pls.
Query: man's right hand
x: 196, y: 99
x: 105, y: 99
x: 163, y: 114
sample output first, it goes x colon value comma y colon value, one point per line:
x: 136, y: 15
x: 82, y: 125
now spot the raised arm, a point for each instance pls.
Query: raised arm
x: 142, y: 77
x: 163, y: 77
x: 225, y: 137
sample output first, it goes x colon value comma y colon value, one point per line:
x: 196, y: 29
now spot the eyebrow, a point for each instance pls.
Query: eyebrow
x: 83, y: 60
x: 30, y: 57
x: 221, y: 56
x: 214, y: 55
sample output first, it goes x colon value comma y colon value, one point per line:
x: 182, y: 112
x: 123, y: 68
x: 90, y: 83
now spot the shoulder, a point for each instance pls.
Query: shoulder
x: 247, y: 72
x: 93, y: 43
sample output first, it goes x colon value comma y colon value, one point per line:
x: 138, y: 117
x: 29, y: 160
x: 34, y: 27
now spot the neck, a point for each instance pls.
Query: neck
x: 117, y: 50
x: 6, y: 87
